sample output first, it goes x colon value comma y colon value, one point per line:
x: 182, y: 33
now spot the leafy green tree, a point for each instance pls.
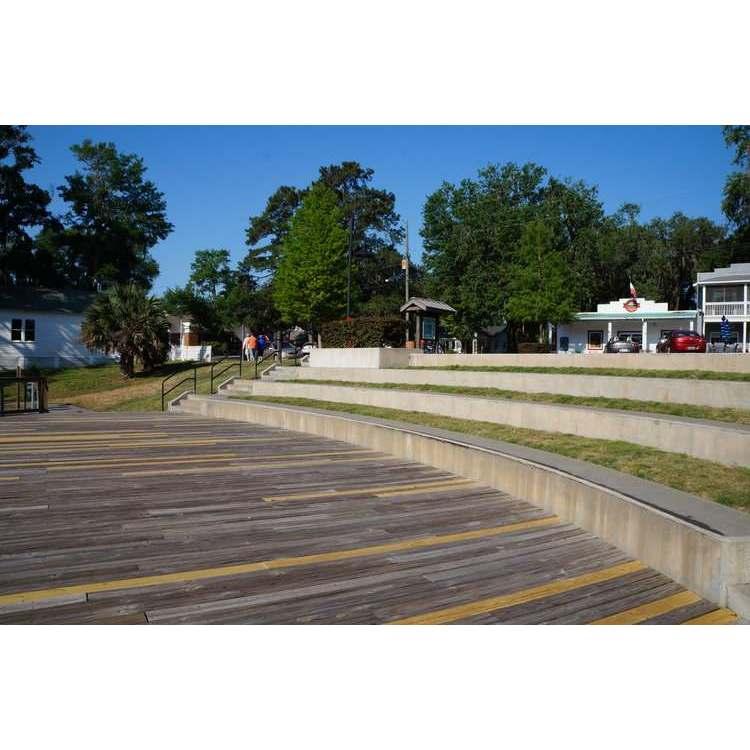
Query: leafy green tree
x: 124, y: 319
x: 115, y: 217
x: 736, y: 203
x: 367, y: 214
x: 541, y: 281
x: 210, y: 272
x: 23, y: 207
x: 267, y: 231
x: 310, y: 285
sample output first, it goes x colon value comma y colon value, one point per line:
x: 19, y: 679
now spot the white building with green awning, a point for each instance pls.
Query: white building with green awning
x: 643, y: 319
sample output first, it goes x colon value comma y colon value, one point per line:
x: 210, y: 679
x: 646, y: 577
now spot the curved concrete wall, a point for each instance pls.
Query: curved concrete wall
x: 720, y: 394
x: 709, y: 362
x: 707, y: 561
x: 365, y: 357
x: 712, y: 441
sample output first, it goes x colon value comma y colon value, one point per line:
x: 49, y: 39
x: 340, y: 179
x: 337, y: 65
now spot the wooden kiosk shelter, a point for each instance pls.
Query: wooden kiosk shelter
x: 427, y: 320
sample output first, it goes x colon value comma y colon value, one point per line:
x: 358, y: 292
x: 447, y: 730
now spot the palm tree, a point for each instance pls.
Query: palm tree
x: 124, y: 319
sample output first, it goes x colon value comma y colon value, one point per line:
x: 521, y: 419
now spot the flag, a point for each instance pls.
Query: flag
x: 633, y: 292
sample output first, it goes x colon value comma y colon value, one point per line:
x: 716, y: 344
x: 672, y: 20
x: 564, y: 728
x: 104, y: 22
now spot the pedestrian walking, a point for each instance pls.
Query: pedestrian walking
x: 247, y: 347
x: 251, y: 347
x: 262, y: 344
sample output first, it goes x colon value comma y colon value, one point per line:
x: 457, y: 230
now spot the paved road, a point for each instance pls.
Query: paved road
x: 151, y: 518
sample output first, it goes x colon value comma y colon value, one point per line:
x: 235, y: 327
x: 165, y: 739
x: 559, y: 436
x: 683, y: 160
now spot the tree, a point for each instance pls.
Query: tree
x: 115, y: 217
x: 210, y: 272
x: 541, y: 281
x: 470, y: 232
x: 124, y: 319
x: 23, y: 207
x: 310, y: 285
x: 736, y: 203
x: 367, y: 213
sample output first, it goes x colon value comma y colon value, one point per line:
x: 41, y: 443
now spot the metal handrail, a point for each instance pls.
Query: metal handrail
x: 232, y: 364
x: 42, y: 394
x: 193, y: 377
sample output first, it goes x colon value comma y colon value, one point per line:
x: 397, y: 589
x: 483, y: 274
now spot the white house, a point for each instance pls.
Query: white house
x: 724, y: 291
x: 643, y: 319
x: 43, y: 327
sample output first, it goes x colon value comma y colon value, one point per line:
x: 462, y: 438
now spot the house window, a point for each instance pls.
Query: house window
x: 564, y: 343
x: 724, y: 294
x: 595, y: 339
x: 22, y: 330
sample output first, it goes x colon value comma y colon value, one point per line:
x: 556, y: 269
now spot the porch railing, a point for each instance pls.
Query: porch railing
x: 726, y: 308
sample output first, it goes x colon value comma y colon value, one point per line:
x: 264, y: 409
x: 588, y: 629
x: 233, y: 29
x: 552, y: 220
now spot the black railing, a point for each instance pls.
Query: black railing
x: 190, y: 378
x: 229, y: 366
x: 23, y: 394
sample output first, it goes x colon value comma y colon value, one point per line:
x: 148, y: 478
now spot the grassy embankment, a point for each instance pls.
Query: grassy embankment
x: 617, y: 372
x: 735, y: 416
x: 103, y: 387
x: 722, y: 484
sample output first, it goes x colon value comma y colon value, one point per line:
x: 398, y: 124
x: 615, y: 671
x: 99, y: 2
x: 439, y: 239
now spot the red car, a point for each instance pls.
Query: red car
x: 682, y: 341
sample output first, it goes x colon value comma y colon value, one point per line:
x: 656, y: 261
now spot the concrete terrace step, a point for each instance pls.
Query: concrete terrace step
x: 702, y: 545
x: 718, y: 394
x: 719, y: 442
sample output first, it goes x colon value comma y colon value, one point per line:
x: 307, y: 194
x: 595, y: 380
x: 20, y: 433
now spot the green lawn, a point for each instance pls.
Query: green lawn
x: 104, y: 388
x: 735, y: 416
x: 614, y: 371
x: 729, y: 486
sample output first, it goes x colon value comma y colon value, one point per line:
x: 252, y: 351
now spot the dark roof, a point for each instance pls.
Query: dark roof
x: 422, y: 304
x: 38, y: 299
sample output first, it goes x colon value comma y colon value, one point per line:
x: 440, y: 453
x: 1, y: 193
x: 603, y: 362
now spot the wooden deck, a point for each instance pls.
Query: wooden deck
x: 151, y: 518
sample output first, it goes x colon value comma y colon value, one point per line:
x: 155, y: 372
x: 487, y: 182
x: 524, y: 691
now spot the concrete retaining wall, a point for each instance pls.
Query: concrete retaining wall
x: 712, y: 441
x: 367, y: 357
x: 720, y: 394
x: 700, y: 555
x: 710, y: 362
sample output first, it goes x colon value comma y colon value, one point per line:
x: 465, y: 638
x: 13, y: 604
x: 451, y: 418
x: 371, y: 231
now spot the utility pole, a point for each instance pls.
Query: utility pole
x: 407, y: 261
x: 405, y: 265
x: 349, y: 269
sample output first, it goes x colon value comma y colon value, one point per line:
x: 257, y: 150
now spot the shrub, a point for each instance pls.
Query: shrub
x: 365, y: 331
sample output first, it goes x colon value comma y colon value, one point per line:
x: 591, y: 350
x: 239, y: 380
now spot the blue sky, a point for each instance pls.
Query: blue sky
x: 214, y: 178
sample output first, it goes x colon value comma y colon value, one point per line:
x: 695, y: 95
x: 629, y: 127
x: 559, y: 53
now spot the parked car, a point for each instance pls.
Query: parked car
x: 622, y: 344
x: 681, y: 341
x: 289, y: 351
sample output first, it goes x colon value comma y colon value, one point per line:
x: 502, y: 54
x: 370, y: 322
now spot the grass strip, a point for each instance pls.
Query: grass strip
x: 104, y: 388
x: 722, y: 484
x: 735, y: 416
x: 617, y: 372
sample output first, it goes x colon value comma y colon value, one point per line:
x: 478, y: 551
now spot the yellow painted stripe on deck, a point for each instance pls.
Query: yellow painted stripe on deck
x: 717, y: 617
x: 274, y: 564
x: 86, y: 463
x: 59, y: 437
x: 174, y: 443
x: 651, y: 609
x: 471, y: 609
x: 252, y: 464
x: 378, y: 490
